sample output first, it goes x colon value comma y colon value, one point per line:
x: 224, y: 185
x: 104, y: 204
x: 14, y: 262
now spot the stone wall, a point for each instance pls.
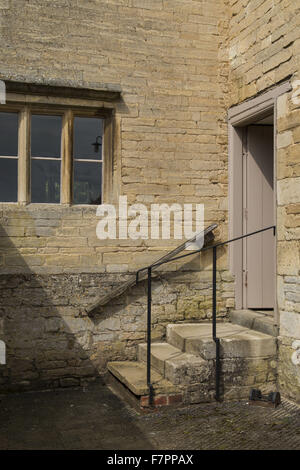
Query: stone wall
x: 169, y: 60
x: 264, y: 50
x: 263, y: 45
x: 52, y: 342
x: 288, y: 219
x: 180, y: 64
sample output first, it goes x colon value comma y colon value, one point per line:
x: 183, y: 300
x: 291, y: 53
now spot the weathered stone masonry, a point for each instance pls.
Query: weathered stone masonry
x: 163, y: 55
x: 51, y: 341
x: 180, y: 64
x: 264, y: 50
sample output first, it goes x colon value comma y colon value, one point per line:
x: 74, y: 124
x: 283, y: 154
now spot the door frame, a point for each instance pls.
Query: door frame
x: 240, y: 116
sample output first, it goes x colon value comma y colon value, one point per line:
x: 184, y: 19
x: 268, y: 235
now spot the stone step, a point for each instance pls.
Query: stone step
x: 178, y: 367
x: 254, y: 320
x: 160, y: 352
x: 235, y: 340
x: 133, y: 375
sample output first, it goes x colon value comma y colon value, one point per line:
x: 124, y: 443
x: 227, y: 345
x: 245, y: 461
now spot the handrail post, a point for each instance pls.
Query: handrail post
x: 149, y: 300
x: 214, y: 292
x: 214, y: 325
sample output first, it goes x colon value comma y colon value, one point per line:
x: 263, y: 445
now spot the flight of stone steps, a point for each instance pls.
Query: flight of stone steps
x: 183, y: 368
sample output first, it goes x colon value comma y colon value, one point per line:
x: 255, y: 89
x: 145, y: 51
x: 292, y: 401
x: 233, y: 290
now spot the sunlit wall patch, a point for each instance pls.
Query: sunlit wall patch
x: 296, y: 353
x: 2, y: 92
x: 296, y: 92
x: 2, y: 353
x: 160, y: 221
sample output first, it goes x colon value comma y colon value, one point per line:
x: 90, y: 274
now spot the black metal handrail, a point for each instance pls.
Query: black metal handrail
x: 141, y: 274
x: 214, y: 305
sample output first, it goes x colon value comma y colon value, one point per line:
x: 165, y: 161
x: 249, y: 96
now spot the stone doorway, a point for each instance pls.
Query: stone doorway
x: 252, y: 200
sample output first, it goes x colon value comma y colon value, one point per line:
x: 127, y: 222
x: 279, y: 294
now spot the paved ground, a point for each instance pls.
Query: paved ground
x: 95, y: 418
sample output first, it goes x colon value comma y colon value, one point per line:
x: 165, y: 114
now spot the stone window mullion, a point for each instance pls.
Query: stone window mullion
x: 67, y: 158
x: 107, y: 173
x: 24, y: 156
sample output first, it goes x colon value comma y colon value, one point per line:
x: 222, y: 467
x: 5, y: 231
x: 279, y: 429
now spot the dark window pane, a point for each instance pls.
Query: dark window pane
x: 88, y: 131
x: 45, y: 136
x: 8, y: 134
x: 8, y: 179
x: 87, y: 182
x: 45, y: 181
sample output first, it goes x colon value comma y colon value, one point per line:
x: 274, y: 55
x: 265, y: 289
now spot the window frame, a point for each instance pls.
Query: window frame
x: 68, y: 108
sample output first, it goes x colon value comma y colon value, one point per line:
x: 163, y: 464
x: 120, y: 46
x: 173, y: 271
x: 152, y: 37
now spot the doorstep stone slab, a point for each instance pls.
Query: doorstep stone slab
x: 236, y: 341
x: 178, y: 334
x: 239, y: 345
x: 265, y: 325
x: 243, y: 317
x: 254, y: 320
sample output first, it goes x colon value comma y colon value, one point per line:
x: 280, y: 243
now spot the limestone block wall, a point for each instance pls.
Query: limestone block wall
x: 53, y: 267
x: 168, y: 58
x: 288, y: 217
x: 263, y: 45
x: 264, y: 50
x: 51, y: 342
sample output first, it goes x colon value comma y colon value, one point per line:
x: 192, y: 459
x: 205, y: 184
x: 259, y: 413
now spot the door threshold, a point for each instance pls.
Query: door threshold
x: 254, y: 320
x: 268, y: 313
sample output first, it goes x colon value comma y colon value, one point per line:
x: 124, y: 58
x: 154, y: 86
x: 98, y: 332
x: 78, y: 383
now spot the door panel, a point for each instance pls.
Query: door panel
x: 259, y: 250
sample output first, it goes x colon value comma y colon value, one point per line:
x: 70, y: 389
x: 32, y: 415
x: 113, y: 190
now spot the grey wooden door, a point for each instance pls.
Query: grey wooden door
x: 259, y: 250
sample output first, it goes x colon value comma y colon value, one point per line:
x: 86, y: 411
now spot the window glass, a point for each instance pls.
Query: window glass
x: 88, y: 138
x: 45, y: 181
x: 8, y: 179
x: 45, y: 152
x: 45, y: 158
x: 8, y: 134
x: 46, y: 136
x: 87, y: 160
x: 9, y: 148
x: 87, y: 182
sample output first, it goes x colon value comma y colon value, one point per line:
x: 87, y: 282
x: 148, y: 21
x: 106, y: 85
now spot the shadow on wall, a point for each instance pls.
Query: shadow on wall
x: 175, y: 289
x: 52, y: 343
x: 36, y: 321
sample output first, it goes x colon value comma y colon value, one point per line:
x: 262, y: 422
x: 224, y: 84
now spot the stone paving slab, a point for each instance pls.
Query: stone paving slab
x: 95, y: 418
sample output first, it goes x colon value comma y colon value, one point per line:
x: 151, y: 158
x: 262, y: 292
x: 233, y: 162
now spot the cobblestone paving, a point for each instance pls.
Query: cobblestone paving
x: 95, y: 418
x: 226, y: 426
